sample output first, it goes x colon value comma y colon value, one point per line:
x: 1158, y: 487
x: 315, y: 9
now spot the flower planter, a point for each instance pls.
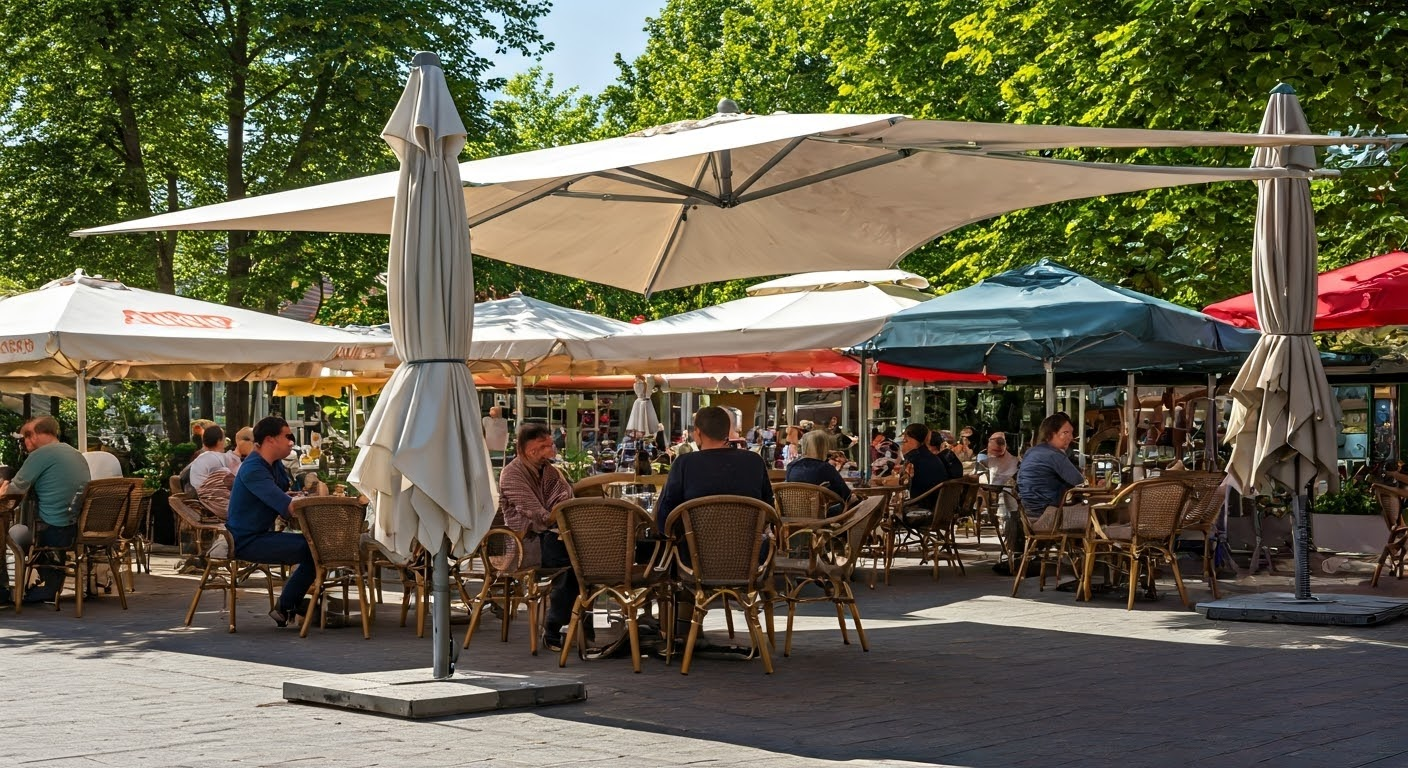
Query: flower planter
x: 1349, y: 533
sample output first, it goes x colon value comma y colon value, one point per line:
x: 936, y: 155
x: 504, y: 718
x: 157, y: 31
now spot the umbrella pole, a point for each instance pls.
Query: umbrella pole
x: 351, y: 413
x: 953, y: 410
x: 1050, y: 386
x: 80, y: 390
x: 1299, y: 503
x: 1210, y: 426
x: 863, y: 421
x: 519, y: 401
x: 1080, y: 444
x: 1131, y: 397
x: 444, y: 665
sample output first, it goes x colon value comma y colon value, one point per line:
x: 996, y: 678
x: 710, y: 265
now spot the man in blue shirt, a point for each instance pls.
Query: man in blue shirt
x: 259, y: 496
x: 1043, y: 478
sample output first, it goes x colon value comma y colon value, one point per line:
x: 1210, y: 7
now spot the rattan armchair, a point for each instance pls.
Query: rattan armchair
x: 333, y: 527
x: 507, y: 579
x: 836, y: 545
x: 133, y: 541
x: 1201, y: 511
x: 1391, y: 504
x: 10, y: 505
x: 799, y: 503
x: 222, y: 571
x: 594, y: 486
x: 1065, y: 537
x: 601, y: 536
x: 102, y: 511
x: 953, y: 499
x: 1154, y: 509
x: 724, y: 559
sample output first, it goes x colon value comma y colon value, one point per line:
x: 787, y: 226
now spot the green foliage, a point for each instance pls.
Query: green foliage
x: 1353, y: 498
x: 575, y: 463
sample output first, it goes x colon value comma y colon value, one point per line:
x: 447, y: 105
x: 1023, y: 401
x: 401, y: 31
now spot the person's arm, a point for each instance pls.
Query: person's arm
x: 766, y: 491
x: 259, y: 481
x: 1067, y: 471
x: 836, y: 484
x: 672, y: 495
x: 25, y: 478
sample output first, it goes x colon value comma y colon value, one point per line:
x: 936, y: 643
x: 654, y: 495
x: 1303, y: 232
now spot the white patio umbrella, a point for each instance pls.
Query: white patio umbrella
x: 84, y: 327
x: 825, y: 310
x: 423, y: 459
x: 737, y: 195
x: 1283, y: 420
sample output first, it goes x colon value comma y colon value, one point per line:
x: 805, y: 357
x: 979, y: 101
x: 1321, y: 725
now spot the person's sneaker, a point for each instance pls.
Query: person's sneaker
x: 280, y: 617
x: 552, y: 641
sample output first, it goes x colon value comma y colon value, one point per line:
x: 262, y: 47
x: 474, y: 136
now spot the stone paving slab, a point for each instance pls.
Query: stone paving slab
x: 958, y: 674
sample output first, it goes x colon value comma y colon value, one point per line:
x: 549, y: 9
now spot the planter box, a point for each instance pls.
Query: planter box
x: 1349, y: 533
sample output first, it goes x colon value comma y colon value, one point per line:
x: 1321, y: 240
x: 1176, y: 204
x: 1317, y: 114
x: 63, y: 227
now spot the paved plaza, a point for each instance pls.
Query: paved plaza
x: 959, y: 674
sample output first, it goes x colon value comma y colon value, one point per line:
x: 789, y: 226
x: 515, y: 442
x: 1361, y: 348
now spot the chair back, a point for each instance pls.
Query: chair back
x: 1390, y: 504
x: 141, y: 507
x: 777, y: 475
x: 948, y: 498
x: 1204, y: 502
x: 333, y: 527
x: 803, y: 500
x: 594, y: 486
x: 600, y: 537
x: 1156, y: 507
x: 502, y: 552
x: 852, y: 529
x: 105, y: 506
x: 724, y: 537
x: 173, y: 484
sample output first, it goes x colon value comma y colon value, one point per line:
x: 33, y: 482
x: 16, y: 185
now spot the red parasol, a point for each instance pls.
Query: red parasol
x: 1366, y: 294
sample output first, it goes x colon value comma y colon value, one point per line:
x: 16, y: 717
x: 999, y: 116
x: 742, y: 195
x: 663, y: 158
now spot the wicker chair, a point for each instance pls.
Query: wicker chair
x: 953, y: 499
x: 10, y: 505
x: 724, y: 560
x: 133, y: 541
x: 102, y: 511
x: 800, y: 503
x: 594, y: 486
x: 836, y: 545
x: 1065, y: 537
x: 221, y: 571
x: 1201, y: 511
x: 874, y: 545
x: 1391, y: 504
x: 1155, y: 508
x: 333, y: 527
x: 600, y: 536
x: 506, y: 580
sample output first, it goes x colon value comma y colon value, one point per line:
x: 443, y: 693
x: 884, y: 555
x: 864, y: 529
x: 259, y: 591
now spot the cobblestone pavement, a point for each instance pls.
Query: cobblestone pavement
x: 958, y: 674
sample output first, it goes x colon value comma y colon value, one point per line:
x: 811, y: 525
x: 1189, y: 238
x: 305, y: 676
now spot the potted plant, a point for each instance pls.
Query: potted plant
x: 1348, y: 520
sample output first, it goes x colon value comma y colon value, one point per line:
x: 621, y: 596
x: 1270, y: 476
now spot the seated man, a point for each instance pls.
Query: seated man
x: 213, y: 472
x: 54, y: 472
x: 713, y: 469
x: 921, y: 469
x: 259, y: 496
x: 529, y: 487
x: 1043, y: 478
x: 941, y: 444
x: 1001, y: 464
x: 812, y: 468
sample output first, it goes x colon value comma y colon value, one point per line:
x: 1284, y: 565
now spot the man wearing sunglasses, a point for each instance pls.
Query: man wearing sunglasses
x: 53, y: 472
x: 258, y: 497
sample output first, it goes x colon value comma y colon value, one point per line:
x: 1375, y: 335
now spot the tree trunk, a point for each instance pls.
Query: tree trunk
x: 175, y: 410
x: 207, y: 400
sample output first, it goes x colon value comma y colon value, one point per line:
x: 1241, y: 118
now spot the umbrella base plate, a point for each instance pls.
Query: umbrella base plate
x: 414, y: 694
x: 1284, y: 608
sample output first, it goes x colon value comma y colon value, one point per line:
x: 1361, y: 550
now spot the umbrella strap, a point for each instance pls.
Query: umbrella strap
x: 460, y: 361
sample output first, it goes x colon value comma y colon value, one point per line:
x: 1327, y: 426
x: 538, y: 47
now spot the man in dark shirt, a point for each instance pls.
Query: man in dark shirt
x: 941, y: 445
x: 923, y: 469
x: 714, y: 469
x: 258, y: 497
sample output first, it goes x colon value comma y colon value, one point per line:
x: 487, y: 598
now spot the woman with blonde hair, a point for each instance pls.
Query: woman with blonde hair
x: 812, y: 467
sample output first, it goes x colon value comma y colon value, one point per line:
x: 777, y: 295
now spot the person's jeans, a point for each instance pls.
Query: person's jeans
x: 565, y: 588
x: 51, y: 579
x: 282, y: 549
